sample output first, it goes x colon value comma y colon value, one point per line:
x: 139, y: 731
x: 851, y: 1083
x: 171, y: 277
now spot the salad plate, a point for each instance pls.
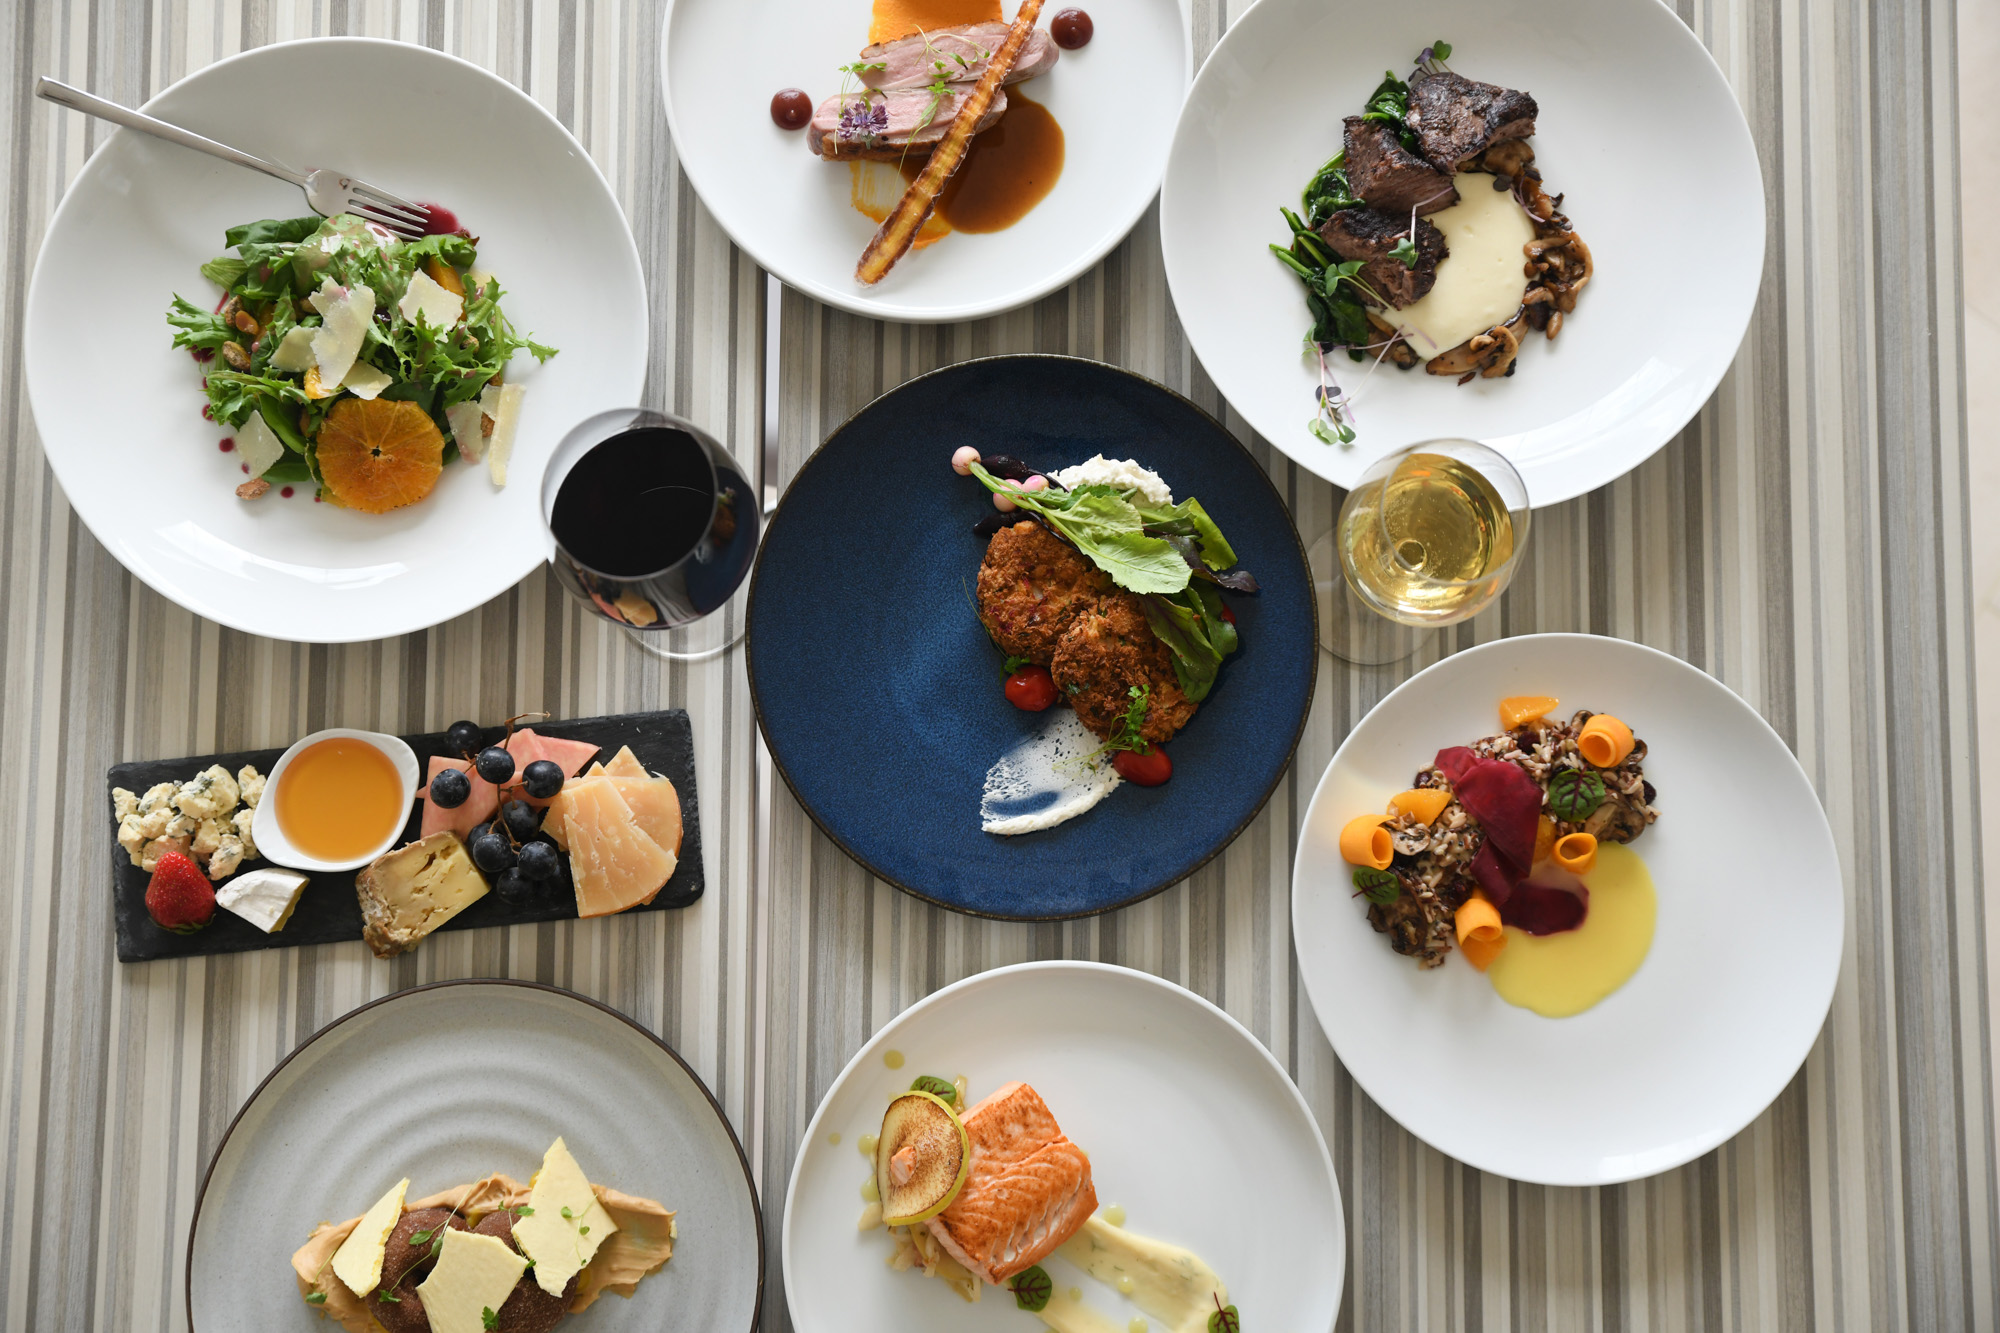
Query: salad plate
x: 1190, y: 1126
x: 1628, y: 100
x: 1115, y: 99
x: 879, y: 690
x: 446, y: 1083
x: 143, y: 467
x: 1719, y: 1016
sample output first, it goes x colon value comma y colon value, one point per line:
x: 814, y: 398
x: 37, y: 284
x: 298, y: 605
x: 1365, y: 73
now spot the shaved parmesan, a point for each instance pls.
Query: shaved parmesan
x: 364, y: 381
x: 294, y: 354
x: 258, y: 445
x: 465, y: 420
x: 502, y: 402
x: 428, y: 303
x: 347, y: 317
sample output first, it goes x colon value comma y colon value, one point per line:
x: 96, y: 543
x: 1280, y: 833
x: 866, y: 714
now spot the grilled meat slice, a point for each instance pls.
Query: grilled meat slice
x: 1390, y: 177
x: 959, y: 54
x: 1369, y: 234
x: 890, y: 126
x: 1456, y: 118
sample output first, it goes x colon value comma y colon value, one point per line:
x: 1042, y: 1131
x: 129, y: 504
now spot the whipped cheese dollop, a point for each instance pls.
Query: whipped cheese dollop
x: 1123, y: 473
x: 1042, y: 781
x: 1481, y: 282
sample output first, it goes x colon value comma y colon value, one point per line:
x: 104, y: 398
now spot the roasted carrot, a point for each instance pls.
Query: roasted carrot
x: 893, y: 238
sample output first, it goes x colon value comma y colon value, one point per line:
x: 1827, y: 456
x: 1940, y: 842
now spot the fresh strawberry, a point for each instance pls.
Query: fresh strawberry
x: 179, y: 896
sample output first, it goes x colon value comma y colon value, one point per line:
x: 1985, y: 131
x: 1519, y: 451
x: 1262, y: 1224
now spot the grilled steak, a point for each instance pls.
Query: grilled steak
x: 1390, y: 176
x: 1456, y: 118
x: 889, y: 126
x: 1369, y: 234
x: 958, y: 54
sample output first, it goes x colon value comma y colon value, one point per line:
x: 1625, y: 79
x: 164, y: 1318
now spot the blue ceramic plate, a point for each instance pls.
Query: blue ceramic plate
x: 879, y: 691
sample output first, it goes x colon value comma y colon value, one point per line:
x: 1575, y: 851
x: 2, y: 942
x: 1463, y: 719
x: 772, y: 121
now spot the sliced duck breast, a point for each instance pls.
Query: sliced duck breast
x: 889, y: 126
x: 958, y: 55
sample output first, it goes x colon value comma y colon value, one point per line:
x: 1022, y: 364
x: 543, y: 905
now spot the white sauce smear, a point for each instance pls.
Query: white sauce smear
x: 1481, y: 282
x: 1042, y: 782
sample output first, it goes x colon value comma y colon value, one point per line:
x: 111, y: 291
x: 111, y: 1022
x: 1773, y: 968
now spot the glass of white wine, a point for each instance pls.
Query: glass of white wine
x: 1429, y: 536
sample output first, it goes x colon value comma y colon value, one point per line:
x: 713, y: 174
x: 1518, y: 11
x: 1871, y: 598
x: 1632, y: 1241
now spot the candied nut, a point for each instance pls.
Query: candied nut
x: 247, y: 323
x: 252, y: 488
x: 236, y: 356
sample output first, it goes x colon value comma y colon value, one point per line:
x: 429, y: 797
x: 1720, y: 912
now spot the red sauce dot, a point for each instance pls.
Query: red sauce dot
x: 205, y: 414
x: 1071, y: 28
x: 441, y: 221
x: 246, y: 467
x: 286, y: 492
x: 227, y: 445
x: 315, y: 498
x: 791, y: 109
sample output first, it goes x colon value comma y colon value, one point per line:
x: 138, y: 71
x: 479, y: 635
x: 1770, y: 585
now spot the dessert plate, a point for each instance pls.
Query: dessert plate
x: 451, y: 1082
x: 1717, y: 1019
x: 879, y: 691
x: 136, y: 458
x: 1629, y: 101
x: 1116, y: 98
x: 1190, y: 1125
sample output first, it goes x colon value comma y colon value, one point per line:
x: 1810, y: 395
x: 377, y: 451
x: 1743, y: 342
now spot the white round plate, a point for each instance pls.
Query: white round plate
x: 1630, y: 104
x: 119, y: 410
x: 453, y: 1082
x: 1716, y: 1020
x: 1189, y: 1123
x: 1116, y: 98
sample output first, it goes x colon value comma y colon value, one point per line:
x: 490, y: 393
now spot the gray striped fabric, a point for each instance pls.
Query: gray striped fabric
x: 1804, y: 540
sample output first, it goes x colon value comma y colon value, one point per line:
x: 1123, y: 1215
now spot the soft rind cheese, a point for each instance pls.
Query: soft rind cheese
x: 567, y: 1224
x: 408, y: 893
x: 345, y: 316
x: 358, y: 1261
x: 265, y: 898
x: 364, y: 381
x: 429, y: 303
x: 258, y: 445
x: 502, y: 402
x: 294, y: 353
x: 474, y: 1274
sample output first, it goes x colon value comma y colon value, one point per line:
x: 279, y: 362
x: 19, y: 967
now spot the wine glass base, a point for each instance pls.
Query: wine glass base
x: 1349, y: 628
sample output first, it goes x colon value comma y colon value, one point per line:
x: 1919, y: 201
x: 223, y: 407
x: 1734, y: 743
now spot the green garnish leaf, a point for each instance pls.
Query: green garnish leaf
x: 583, y: 1231
x: 273, y: 231
x: 1574, y: 793
x: 316, y: 1298
x: 567, y: 1215
x: 1032, y: 1289
x: 1404, y: 251
x: 942, y: 1089
x: 487, y: 1319
x: 1106, y: 527
x: 1225, y: 1319
x: 1441, y: 50
x: 391, y: 1297
x: 225, y: 271
x: 419, y: 1237
x: 1380, y: 887
x: 1014, y: 663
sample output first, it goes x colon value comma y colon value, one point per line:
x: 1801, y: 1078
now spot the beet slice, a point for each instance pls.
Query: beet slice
x: 1504, y: 799
x: 1545, y: 909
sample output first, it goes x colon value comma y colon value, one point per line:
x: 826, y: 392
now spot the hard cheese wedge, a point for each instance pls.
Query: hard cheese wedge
x: 567, y: 1224
x: 408, y: 893
x: 358, y: 1261
x: 473, y: 1277
x: 611, y: 859
x: 625, y: 764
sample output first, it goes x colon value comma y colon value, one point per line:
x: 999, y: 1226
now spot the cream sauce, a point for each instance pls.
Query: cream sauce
x: 1044, y: 781
x: 1169, y: 1283
x: 1066, y: 1313
x: 1480, y: 283
x: 1560, y: 975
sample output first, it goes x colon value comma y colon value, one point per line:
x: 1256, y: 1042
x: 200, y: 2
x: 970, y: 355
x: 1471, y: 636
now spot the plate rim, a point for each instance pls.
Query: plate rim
x: 756, y: 698
x: 225, y: 614
x: 221, y: 1144
x: 857, y: 305
x: 1570, y: 490
x: 1083, y: 966
x: 1686, y: 1150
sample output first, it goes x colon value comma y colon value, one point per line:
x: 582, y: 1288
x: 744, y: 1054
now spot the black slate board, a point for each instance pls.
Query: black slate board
x: 328, y: 911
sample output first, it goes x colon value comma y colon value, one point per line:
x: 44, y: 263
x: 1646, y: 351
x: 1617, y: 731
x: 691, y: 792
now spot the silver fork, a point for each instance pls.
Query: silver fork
x: 327, y: 191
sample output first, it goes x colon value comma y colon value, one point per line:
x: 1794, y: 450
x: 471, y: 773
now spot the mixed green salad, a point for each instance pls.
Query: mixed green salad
x: 354, y: 361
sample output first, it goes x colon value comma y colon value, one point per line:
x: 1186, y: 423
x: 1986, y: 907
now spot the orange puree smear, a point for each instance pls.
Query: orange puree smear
x: 338, y: 798
x: 900, y: 18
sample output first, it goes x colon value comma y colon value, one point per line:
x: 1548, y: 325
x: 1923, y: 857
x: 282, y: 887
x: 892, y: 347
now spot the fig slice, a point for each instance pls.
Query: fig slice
x: 921, y: 1159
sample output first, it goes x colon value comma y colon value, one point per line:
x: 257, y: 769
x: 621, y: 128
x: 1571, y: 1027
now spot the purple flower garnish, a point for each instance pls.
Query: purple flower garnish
x: 859, y: 120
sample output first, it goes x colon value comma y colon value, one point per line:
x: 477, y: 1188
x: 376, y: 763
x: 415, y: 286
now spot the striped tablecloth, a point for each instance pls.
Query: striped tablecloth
x: 1804, y: 540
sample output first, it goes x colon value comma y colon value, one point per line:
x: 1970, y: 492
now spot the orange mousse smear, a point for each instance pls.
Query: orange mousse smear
x: 339, y: 798
x: 900, y: 18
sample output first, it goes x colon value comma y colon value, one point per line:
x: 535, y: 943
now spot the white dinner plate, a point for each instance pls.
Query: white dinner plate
x: 1190, y: 1125
x: 1637, y: 129
x: 1716, y: 1020
x: 119, y: 410
x: 453, y: 1082
x: 1115, y: 98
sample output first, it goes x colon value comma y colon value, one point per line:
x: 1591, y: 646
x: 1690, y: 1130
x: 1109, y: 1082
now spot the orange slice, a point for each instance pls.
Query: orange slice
x: 376, y: 455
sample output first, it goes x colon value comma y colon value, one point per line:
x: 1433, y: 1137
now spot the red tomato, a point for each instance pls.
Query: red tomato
x: 1031, y: 689
x: 1227, y: 614
x: 1146, y: 770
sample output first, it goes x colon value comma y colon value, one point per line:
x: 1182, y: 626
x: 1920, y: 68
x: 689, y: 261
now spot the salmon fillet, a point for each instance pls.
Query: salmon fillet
x: 1027, y: 1187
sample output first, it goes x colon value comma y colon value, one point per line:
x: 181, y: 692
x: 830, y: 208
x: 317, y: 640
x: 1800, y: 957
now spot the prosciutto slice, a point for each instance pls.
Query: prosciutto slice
x: 1508, y: 804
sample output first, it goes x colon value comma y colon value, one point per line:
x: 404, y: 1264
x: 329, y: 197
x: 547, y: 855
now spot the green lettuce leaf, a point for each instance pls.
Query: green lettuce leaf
x: 273, y: 230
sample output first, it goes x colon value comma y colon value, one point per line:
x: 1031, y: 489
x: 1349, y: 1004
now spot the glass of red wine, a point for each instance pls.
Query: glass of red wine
x: 655, y: 528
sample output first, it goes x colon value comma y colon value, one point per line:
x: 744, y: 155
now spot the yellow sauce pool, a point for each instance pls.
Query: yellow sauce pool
x: 1560, y: 975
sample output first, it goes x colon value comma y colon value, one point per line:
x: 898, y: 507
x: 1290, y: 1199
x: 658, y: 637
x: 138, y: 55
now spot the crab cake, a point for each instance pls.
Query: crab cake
x: 1032, y: 586
x: 1104, y: 654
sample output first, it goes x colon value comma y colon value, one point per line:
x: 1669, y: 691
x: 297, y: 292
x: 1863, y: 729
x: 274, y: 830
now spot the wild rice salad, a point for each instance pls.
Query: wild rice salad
x: 1433, y: 862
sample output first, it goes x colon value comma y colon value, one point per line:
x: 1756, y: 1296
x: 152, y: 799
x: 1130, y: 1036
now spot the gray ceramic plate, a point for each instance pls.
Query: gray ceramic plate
x: 451, y: 1082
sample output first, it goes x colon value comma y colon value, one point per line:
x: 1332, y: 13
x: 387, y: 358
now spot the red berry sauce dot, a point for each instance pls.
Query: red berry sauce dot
x: 227, y: 445
x: 246, y: 467
x: 286, y: 492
